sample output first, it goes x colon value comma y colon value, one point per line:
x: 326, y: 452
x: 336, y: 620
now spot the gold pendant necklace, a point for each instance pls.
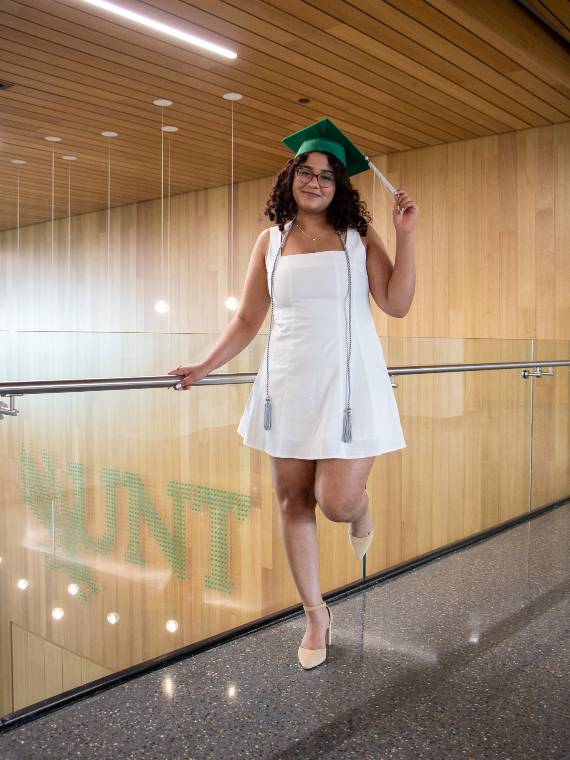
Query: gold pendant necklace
x: 307, y: 234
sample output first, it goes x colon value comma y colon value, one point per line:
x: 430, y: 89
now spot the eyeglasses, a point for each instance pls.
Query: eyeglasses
x: 325, y: 179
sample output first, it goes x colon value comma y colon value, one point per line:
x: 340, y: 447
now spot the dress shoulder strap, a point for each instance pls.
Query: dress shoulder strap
x: 352, y: 237
x: 354, y: 241
x: 274, y: 243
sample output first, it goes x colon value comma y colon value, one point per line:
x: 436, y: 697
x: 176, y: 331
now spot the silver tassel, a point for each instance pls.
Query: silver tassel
x: 347, y: 420
x: 267, y: 409
x: 267, y: 414
x: 347, y: 426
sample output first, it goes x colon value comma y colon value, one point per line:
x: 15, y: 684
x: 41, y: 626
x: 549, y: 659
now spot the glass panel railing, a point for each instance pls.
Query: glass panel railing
x: 551, y: 426
x: 467, y: 460
x: 135, y: 522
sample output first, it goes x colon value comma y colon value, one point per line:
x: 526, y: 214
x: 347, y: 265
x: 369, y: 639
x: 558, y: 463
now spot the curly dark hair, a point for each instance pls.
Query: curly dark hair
x: 345, y: 210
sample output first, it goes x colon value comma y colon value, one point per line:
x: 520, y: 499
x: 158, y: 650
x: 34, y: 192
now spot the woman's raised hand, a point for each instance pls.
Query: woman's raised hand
x: 405, y: 212
x: 191, y: 374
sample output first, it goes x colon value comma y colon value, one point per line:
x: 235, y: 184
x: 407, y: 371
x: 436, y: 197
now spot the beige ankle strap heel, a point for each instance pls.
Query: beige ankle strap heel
x: 315, y: 607
x: 310, y: 658
x: 360, y: 544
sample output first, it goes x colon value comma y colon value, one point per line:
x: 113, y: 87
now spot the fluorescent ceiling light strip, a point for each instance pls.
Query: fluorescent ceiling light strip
x: 158, y: 26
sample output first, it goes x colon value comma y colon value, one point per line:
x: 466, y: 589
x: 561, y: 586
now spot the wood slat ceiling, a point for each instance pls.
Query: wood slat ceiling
x: 394, y: 74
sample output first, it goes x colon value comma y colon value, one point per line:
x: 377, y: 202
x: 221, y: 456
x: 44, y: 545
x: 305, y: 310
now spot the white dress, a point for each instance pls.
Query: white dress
x: 307, y: 362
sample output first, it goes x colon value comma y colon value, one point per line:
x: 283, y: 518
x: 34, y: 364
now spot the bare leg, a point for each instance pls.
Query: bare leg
x: 340, y: 490
x: 298, y: 526
x: 294, y: 480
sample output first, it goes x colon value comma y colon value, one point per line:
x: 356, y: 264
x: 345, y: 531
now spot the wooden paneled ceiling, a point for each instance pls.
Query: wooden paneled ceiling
x: 394, y: 74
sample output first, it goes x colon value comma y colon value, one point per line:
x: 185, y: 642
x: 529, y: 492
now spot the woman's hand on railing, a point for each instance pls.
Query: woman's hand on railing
x: 191, y: 374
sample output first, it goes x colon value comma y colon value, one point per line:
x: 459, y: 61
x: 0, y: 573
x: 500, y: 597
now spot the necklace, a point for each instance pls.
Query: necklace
x: 307, y: 234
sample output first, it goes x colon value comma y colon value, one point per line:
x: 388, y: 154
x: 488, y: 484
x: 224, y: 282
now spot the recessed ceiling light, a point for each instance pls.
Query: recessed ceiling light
x: 53, y: 139
x: 107, y: 133
x: 18, y: 161
x: 69, y: 158
x: 164, y: 102
x: 232, y: 96
x: 169, y: 128
x: 160, y: 27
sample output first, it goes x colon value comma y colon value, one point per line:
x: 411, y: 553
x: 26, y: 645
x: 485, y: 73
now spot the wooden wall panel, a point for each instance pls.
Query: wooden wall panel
x: 492, y: 246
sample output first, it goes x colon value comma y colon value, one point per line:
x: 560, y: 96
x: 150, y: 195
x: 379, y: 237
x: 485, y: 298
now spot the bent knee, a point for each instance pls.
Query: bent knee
x: 339, y: 508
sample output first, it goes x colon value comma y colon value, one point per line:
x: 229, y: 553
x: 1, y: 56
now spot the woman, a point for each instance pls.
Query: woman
x: 322, y: 405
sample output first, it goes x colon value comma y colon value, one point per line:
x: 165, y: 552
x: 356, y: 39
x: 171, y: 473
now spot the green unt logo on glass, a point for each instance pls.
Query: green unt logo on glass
x: 64, y: 515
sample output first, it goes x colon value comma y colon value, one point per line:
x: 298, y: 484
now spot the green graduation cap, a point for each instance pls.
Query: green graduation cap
x: 325, y: 136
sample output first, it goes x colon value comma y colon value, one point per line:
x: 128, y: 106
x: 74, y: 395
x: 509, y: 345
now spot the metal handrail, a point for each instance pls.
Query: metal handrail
x: 24, y: 388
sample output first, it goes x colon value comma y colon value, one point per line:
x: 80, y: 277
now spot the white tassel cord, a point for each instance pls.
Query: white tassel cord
x: 387, y: 184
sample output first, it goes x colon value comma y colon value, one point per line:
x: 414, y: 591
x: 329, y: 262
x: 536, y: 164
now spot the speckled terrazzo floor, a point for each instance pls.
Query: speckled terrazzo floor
x: 466, y: 657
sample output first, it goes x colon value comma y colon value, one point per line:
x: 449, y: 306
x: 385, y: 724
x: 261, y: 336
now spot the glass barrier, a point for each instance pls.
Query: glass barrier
x: 133, y: 522
x: 467, y: 461
x: 550, y: 476
x: 136, y: 522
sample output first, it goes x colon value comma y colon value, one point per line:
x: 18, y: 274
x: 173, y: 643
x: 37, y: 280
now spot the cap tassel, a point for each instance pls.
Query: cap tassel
x: 347, y: 426
x: 267, y: 414
x: 386, y: 182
